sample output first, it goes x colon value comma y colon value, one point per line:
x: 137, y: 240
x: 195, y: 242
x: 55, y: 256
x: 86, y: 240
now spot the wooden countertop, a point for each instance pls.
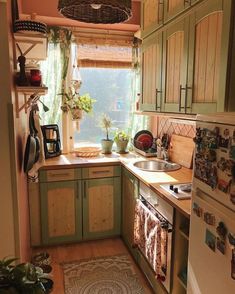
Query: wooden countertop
x: 151, y: 179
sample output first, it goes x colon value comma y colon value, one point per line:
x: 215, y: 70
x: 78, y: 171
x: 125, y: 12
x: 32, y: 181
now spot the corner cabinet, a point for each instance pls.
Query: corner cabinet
x: 101, y: 208
x: 152, y: 73
x: 130, y: 187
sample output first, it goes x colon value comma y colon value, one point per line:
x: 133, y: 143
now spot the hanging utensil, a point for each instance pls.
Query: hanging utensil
x: 30, y: 149
x: 35, y: 131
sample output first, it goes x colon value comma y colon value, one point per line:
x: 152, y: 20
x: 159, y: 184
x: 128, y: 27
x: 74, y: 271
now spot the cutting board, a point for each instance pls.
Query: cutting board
x: 181, y: 150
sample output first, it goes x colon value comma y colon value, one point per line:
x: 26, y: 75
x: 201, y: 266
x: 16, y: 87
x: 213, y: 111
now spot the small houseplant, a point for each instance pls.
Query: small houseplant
x: 23, y: 278
x: 121, y: 139
x: 107, y: 143
x: 76, y: 104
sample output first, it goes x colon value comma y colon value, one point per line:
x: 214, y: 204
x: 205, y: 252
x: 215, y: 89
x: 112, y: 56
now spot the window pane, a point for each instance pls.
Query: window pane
x: 112, y: 90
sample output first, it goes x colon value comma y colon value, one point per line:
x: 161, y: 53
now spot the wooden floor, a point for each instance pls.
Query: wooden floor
x: 85, y: 250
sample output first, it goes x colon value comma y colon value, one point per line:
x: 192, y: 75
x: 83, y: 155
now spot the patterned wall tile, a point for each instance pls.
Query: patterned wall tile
x: 174, y: 126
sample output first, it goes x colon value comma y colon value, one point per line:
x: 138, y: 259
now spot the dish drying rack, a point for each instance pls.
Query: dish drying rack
x: 139, y: 148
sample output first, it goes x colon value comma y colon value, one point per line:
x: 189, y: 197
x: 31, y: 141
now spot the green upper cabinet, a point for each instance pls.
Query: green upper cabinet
x: 151, y: 16
x: 174, y: 7
x: 101, y: 207
x: 192, y: 2
x: 175, y: 58
x: 129, y: 196
x: 152, y: 73
x: 208, y: 57
x: 61, y: 212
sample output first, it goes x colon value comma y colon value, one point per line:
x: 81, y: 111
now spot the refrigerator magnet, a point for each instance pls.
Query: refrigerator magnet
x: 232, y: 192
x: 221, y: 230
x: 223, y: 142
x: 233, y: 265
x: 210, y: 240
x: 232, y: 152
x: 197, y: 210
x: 231, y: 239
x: 220, y: 245
x: 223, y: 186
x: 209, y: 218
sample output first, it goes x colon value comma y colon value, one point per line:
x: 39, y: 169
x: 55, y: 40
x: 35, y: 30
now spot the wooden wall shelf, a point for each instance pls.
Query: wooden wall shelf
x: 33, y: 46
x: 34, y: 94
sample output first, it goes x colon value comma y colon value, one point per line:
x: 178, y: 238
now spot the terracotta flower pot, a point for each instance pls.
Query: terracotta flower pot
x: 106, y: 146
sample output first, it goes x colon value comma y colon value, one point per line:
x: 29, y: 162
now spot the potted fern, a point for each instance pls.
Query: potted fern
x: 121, y: 139
x: 107, y: 143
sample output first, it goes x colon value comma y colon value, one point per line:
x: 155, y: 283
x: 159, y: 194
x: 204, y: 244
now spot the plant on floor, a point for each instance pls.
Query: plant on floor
x: 23, y: 278
x: 106, y: 124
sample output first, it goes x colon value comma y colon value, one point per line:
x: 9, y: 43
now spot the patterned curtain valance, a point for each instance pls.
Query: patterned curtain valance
x: 59, y: 35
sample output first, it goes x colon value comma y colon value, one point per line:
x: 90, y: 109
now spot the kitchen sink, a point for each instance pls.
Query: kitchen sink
x: 155, y: 166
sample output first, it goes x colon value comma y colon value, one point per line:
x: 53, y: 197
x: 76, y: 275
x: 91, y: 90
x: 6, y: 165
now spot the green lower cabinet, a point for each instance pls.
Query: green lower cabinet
x: 61, y: 212
x: 101, y: 208
x: 129, y: 195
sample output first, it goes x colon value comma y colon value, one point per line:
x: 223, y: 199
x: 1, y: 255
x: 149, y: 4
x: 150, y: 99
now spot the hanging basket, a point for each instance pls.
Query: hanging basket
x: 76, y: 114
x: 96, y: 11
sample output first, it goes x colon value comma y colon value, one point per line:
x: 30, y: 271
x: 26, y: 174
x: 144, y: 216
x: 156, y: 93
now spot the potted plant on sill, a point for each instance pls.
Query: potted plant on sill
x: 121, y: 139
x: 106, y: 144
x: 76, y: 104
x: 23, y: 278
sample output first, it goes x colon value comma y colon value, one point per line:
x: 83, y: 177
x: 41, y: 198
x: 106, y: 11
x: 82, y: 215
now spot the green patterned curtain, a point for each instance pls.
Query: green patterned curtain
x: 54, y: 71
x: 137, y: 122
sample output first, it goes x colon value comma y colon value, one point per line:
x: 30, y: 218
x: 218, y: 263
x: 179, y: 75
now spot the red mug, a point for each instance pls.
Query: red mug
x: 35, y: 77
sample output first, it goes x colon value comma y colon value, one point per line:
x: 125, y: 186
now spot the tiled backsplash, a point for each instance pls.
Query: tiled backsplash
x: 162, y: 125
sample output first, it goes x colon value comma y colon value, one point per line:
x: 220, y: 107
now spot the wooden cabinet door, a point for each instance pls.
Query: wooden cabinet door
x: 151, y: 16
x: 129, y: 196
x: 175, y: 56
x: 152, y: 73
x: 208, y: 54
x: 101, y: 208
x: 61, y: 212
x: 194, y: 1
x: 174, y: 7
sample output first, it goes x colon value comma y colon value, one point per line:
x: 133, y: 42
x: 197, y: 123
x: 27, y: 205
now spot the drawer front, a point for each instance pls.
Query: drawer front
x: 101, y: 172
x: 54, y: 175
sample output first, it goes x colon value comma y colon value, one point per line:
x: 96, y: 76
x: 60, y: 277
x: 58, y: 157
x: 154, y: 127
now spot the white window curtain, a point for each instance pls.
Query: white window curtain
x: 54, y: 72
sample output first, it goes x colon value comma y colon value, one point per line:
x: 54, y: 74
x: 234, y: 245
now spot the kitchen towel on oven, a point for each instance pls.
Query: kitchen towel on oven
x: 151, y: 238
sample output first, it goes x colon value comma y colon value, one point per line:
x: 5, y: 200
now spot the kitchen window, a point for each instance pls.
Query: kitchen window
x: 111, y: 88
x: 105, y: 64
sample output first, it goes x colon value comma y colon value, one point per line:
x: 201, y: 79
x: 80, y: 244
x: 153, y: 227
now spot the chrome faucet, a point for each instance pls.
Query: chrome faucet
x: 165, y: 154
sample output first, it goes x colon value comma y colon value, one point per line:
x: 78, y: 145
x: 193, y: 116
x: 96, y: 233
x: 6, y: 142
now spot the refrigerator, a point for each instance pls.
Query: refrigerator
x: 211, y: 263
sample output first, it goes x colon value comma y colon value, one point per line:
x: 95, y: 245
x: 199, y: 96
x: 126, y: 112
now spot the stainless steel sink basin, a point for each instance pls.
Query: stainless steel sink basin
x: 157, y: 166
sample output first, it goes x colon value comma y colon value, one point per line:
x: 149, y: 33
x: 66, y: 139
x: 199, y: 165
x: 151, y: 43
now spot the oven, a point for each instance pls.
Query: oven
x: 153, y: 233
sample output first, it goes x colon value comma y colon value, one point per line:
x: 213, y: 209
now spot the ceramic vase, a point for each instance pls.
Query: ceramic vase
x: 106, y: 146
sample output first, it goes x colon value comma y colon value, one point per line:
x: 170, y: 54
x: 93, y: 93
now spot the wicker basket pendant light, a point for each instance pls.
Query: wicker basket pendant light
x: 96, y: 11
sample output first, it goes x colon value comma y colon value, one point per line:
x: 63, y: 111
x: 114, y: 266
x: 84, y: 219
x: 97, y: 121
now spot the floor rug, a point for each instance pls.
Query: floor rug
x: 105, y: 275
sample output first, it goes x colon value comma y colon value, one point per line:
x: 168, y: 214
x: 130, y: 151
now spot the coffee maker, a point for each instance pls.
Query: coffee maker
x: 52, y: 144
